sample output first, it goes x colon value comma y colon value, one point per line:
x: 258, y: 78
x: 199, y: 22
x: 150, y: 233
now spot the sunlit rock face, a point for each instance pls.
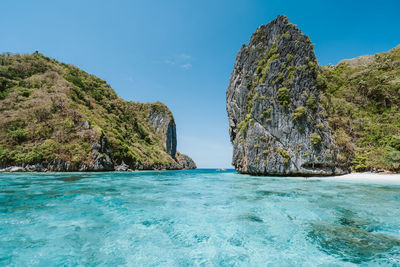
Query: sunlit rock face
x: 163, y: 121
x: 276, y: 122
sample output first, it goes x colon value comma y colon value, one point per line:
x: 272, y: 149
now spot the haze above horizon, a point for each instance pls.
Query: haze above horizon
x: 182, y: 52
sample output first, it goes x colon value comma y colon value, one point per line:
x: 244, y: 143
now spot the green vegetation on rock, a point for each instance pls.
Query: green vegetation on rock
x: 265, y: 113
x: 316, y: 139
x: 363, y: 107
x: 299, y: 112
x: 285, y: 155
x: 52, y: 110
x: 312, y: 102
x: 283, y: 96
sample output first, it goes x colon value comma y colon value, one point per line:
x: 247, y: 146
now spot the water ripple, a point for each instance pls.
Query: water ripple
x: 195, y: 217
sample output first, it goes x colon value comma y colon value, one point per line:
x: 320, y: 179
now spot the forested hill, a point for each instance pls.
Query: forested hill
x: 56, y: 117
x: 362, y: 99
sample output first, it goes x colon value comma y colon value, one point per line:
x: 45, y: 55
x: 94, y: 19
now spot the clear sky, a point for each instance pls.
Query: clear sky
x: 182, y: 52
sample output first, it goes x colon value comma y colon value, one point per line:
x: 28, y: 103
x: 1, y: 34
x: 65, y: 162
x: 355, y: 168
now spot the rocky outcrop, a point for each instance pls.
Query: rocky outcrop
x: 102, y: 159
x: 276, y: 123
x: 163, y: 121
x: 185, y: 161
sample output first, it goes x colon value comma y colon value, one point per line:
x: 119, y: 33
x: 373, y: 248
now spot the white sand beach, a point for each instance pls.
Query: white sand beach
x: 369, y: 177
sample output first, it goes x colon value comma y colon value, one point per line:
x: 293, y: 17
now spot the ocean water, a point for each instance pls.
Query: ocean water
x: 196, y: 217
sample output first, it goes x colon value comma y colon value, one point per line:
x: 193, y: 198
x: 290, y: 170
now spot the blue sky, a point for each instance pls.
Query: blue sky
x: 182, y: 52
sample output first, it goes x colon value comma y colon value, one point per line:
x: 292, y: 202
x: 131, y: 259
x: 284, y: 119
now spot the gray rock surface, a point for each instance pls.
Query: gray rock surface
x: 185, y: 161
x: 162, y: 120
x: 85, y: 125
x: 276, y: 123
x: 16, y: 169
x: 122, y: 167
x: 102, y: 157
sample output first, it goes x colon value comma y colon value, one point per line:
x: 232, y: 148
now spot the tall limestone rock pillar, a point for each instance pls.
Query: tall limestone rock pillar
x: 276, y: 123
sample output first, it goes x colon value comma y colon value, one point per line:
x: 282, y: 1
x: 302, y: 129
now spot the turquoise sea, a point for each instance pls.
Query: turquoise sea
x: 196, y: 217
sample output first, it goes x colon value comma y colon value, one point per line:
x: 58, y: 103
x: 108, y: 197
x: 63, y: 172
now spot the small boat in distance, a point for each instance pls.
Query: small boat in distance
x: 220, y: 170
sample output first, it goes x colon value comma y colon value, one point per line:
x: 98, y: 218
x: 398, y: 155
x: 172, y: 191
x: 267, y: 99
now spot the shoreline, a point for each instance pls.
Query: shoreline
x: 90, y: 171
x: 352, y: 176
x: 367, y: 176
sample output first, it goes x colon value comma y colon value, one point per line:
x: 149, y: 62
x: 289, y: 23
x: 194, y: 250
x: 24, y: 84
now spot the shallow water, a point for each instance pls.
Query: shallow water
x: 196, y: 217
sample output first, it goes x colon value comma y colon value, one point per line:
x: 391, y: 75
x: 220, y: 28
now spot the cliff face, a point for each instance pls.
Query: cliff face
x: 56, y: 117
x: 185, y: 161
x: 163, y: 121
x: 276, y: 122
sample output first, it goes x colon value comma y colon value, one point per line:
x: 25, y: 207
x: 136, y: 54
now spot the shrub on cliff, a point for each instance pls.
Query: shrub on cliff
x: 283, y: 96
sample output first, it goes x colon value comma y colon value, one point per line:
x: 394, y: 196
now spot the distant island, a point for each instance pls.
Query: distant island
x: 56, y: 117
x: 289, y: 116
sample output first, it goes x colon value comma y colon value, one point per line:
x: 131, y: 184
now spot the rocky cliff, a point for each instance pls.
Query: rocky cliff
x: 56, y: 117
x: 163, y: 121
x: 185, y: 161
x: 276, y: 123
